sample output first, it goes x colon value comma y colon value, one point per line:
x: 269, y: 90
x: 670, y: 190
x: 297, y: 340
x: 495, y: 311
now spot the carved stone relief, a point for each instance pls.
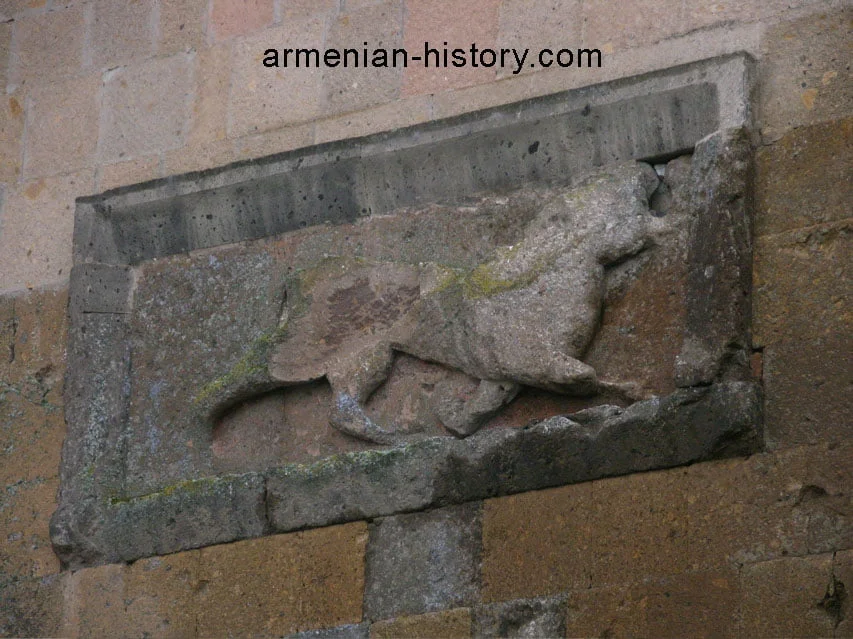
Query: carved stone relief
x: 575, y: 316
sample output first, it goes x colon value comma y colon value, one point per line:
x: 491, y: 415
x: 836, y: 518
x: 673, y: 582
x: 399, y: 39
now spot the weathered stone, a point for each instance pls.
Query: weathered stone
x: 11, y: 136
x: 423, y: 562
x: 182, y: 25
x: 283, y: 584
x: 32, y: 607
x: 800, y: 280
x: 719, y: 280
x: 95, y: 603
x: 804, y: 74
x: 769, y: 506
x: 263, y: 98
x: 689, y: 605
x: 838, y: 601
x: 687, y: 426
x: 188, y: 515
x: 449, y: 624
x: 458, y: 22
x: 25, y: 549
x: 349, y: 631
x: 133, y: 19
x: 38, y: 218
x: 612, y: 27
x: 355, y: 89
x: 537, y: 543
x: 526, y: 618
x: 48, y: 46
x: 112, y: 176
x: 228, y: 19
x: 638, y: 528
x: 160, y: 594
x: 145, y: 108
x: 804, y: 178
x: 784, y: 597
x: 65, y: 115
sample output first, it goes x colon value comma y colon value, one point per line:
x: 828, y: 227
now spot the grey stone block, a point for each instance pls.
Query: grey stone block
x: 190, y: 515
x: 544, y: 617
x: 423, y: 562
x: 100, y: 288
x: 349, y: 631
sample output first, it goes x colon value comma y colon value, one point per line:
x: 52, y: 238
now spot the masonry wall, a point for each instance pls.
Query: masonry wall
x: 101, y: 94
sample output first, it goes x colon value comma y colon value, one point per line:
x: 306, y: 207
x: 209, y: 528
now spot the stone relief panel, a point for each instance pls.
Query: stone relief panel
x: 246, y: 360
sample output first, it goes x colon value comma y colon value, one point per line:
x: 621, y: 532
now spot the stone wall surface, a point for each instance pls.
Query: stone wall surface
x: 101, y: 95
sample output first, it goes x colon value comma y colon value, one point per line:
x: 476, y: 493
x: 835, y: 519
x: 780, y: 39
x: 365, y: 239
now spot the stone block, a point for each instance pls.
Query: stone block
x: 146, y: 108
x: 38, y: 217
x: 451, y: 624
x: 290, y: 9
x: 11, y: 136
x: 347, y: 631
x: 612, y: 27
x: 537, y: 543
x: 198, y: 157
x: 160, y: 593
x: 229, y: 18
x: 5, y: 47
x: 62, y: 131
x: 838, y: 601
x: 638, y: 527
x: 25, y: 549
x: 688, y: 605
x: 210, y: 103
x: 804, y: 178
x: 94, y: 603
x: 700, y: 15
x: 275, y: 141
x: 824, y: 506
x: 283, y: 584
x: 32, y: 607
x: 521, y: 618
x: 135, y: 21
x: 353, y: 89
x: 800, y: 296
x: 32, y: 430
x: 38, y: 352
x: 769, y: 506
x: 804, y: 72
x: 461, y: 24
x: 181, y: 25
x: 387, y: 117
x: 269, y: 98
x: 48, y: 46
x: 423, y: 562
x: 112, y: 176
x: 784, y: 597
x: 552, y: 24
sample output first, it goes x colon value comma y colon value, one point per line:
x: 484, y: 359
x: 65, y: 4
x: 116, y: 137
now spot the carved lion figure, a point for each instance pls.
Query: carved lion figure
x: 524, y: 317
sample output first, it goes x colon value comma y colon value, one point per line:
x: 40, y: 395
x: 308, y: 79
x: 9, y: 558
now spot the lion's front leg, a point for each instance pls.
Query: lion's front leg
x: 353, y: 379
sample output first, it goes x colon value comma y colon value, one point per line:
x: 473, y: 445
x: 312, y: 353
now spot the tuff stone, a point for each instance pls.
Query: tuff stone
x: 451, y: 624
x: 525, y: 618
x: 423, y: 562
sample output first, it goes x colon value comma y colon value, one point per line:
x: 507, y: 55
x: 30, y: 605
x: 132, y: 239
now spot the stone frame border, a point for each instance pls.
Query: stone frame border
x: 654, y: 116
